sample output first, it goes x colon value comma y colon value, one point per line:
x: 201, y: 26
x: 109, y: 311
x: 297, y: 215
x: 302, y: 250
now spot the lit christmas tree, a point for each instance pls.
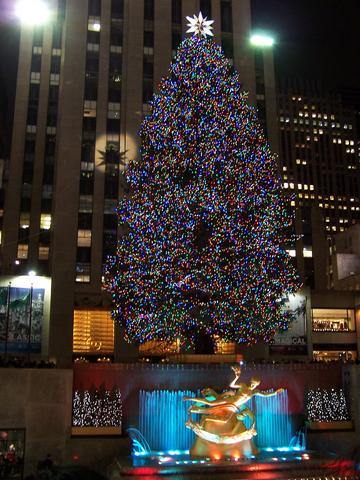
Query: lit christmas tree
x: 205, y: 224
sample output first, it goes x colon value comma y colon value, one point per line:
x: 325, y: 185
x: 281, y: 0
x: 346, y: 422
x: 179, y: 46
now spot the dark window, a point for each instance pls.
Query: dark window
x: 61, y: 10
x: 114, y: 94
x: 38, y: 37
x: 53, y: 95
x: 148, y: 38
x: 50, y: 145
x: 227, y: 45
x: 93, y: 37
x: 86, y: 183
x: 28, y: 172
x: 92, y: 63
x: 109, y: 244
x: 117, y: 8
x: 115, y: 63
x: 55, y: 64
x: 89, y: 124
x: 46, y: 207
x: 226, y: 16
x: 116, y: 34
x: 48, y: 174
x: 175, y: 39
x: 36, y: 63
x: 113, y: 126
x: 34, y: 93
x: 25, y: 204
x: 110, y: 222
x: 83, y: 254
x: 90, y: 89
x: 23, y: 235
x: 87, y: 152
x: 148, y: 66
x: 176, y: 12
x: 95, y: 7
x: 111, y: 181
x: 52, y: 116
x: 85, y: 221
x: 147, y: 89
x: 56, y: 36
x: 32, y: 115
x: 205, y: 8
x: 149, y: 9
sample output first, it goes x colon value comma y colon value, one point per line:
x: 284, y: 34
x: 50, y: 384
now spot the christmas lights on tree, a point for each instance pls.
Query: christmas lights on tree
x: 326, y: 406
x: 207, y: 221
x: 97, y: 408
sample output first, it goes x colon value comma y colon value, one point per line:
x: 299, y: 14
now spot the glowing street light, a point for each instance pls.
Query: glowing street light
x: 32, y: 12
x: 261, y: 40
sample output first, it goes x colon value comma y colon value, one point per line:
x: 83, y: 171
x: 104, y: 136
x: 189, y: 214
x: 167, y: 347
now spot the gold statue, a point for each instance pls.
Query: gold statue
x: 221, y: 431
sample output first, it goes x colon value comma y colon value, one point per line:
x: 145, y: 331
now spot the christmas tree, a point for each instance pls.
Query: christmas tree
x: 205, y: 223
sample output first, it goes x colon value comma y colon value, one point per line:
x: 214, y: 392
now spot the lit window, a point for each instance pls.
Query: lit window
x: 286, y: 185
x: 333, y: 320
x: 299, y: 186
x: 292, y: 253
x: 43, y: 253
x: 84, y: 238
x: 89, y: 108
x: 45, y: 221
x: 86, y: 202
x: 307, y: 252
x: 113, y: 110
x: 115, y: 48
x: 25, y: 220
x: 298, y: 161
x: 83, y: 271
x: 292, y: 185
x: 93, y: 331
x: 23, y: 250
x: 35, y: 77
x: 94, y: 24
x: 54, y: 79
x: 93, y: 47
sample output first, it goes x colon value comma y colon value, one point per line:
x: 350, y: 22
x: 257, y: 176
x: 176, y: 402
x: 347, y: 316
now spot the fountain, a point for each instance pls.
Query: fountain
x: 163, y: 415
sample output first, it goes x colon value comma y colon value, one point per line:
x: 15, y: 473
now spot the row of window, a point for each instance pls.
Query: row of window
x: 93, y: 333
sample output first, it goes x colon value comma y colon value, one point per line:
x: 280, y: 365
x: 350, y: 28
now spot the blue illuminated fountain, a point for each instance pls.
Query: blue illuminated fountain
x: 163, y: 414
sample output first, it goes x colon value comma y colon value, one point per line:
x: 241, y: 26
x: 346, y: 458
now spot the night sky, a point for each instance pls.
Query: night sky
x: 314, y: 39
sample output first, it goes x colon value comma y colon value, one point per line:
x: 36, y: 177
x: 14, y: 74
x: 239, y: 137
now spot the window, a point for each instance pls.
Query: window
x: 45, y: 221
x: 176, y: 12
x: 22, y: 252
x: 82, y: 272
x: 226, y: 16
x: 84, y: 238
x: 86, y: 202
x: 43, y: 253
x: 94, y: 25
x: 205, y: 8
x: 333, y: 320
x: 24, y: 219
x: 93, y: 331
x: 55, y: 64
x: 114, y: 110
x: 149, y: 9
x: 117, y: 8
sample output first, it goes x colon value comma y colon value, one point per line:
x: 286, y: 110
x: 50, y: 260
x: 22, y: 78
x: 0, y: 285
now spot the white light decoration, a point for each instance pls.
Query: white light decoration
x: 261, y: 40
x: 200, y: 25
x: 97, y: 408
x: 32, y: 12
x: 326, y: 405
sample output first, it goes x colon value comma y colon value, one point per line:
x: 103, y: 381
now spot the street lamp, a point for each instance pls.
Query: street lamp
x: 32, y: 12
x: 261, y: 40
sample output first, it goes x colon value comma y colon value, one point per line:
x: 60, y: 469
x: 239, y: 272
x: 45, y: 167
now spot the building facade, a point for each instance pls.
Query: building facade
x: 84, y: 83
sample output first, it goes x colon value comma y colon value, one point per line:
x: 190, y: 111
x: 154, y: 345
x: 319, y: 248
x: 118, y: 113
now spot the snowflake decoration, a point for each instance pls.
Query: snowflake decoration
x: 200, y: 26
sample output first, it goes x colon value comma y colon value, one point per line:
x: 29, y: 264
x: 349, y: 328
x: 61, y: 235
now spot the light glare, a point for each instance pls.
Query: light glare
x: 261, y: 40
x: 32, y: 12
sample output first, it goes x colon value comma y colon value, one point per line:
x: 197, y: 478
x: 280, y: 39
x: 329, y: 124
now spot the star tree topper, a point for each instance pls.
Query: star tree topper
x: 200, y: 26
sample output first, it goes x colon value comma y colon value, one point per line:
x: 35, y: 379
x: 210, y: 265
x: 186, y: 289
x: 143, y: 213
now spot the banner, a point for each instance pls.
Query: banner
x: 21, y: 318
x: 295, y: 336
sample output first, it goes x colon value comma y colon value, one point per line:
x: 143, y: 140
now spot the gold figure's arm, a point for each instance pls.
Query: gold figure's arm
x: 203, y: 401
x: 268, y: 394
x: 237, y: 370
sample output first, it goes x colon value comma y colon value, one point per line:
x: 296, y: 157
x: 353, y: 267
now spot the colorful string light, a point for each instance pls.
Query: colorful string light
x: 207, y: 221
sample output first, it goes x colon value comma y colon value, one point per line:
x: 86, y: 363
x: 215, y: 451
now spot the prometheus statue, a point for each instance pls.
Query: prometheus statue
x: 221, y: 431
